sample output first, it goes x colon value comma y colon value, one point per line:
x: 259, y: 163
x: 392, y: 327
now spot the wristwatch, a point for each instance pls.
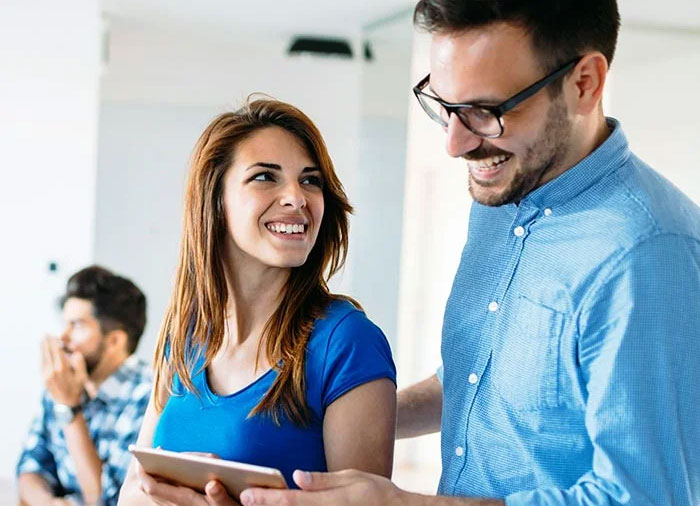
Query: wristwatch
x: 65, y: 414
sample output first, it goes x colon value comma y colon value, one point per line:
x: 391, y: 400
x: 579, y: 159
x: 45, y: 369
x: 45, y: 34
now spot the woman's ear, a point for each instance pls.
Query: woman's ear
x: 586, y: 83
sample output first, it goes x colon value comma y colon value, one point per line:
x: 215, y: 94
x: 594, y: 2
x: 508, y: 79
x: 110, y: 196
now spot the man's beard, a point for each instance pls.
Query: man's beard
x: 93, y: 360
x: 544, y: 153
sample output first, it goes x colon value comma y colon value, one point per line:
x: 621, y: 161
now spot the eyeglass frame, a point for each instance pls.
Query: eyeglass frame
x: 497, y: 110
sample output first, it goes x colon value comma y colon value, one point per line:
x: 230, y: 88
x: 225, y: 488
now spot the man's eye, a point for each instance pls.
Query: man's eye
x: 263, y: 176
x: 313, y: 180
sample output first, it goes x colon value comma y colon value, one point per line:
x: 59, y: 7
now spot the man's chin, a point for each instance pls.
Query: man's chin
x: 486, y: 195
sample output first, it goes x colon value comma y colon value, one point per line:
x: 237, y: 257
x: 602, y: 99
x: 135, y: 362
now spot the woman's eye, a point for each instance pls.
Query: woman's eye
x: 313, y: 180
x: 263, y: 176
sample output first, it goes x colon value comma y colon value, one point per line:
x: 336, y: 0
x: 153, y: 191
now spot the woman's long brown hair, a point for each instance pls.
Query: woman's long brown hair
x: 195, y: 318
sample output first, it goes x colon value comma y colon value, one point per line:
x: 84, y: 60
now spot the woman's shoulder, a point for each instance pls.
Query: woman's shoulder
x: 345, y: 350
x: 342, y: 327
x: 341, y: 315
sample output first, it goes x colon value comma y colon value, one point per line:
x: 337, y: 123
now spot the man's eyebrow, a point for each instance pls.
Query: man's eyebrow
x: 275, y: 166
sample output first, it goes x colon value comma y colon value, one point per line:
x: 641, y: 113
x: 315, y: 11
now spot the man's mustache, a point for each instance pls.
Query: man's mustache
x: 483, y: 152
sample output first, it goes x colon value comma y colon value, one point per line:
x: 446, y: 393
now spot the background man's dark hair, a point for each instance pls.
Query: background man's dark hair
x: 561, y: 30
x: 117, y: 303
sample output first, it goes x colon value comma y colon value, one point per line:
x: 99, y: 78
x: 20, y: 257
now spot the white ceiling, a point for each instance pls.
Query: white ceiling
x: 336, y: 17
x: 262, y: 17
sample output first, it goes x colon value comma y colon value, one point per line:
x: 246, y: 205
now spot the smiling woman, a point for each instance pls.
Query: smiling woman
x: 257, y: 361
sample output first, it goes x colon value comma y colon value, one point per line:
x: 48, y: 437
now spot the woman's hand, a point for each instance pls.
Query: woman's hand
x: 168, y: 494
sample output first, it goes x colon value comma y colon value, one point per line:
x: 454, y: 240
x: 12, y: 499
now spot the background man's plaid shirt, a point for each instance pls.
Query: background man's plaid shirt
x: 113, y: 417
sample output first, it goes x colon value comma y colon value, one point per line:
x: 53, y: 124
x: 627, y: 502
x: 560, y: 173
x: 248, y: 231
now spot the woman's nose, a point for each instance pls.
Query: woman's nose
x: 293, y: 196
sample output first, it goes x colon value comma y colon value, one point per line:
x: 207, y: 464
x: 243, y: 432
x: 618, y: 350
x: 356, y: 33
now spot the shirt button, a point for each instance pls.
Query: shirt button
x: 459, y: 451
x: 519, y: 231
x: 473, y: 378
x: 548, y: 212
x: 493, y: 306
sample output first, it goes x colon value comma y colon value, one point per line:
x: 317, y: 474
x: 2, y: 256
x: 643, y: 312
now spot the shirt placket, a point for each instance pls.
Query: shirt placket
x: 519, y: 230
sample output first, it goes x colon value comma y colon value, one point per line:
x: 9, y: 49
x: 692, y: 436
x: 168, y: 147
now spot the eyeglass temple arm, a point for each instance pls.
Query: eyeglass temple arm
x: 528, y: 92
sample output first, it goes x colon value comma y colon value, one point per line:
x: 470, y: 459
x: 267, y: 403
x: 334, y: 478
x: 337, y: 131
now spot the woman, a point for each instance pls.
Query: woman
x: 256, y: 360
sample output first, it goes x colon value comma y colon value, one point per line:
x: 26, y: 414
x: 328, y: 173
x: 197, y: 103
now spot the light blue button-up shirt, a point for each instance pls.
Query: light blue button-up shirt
x: 571, y: 343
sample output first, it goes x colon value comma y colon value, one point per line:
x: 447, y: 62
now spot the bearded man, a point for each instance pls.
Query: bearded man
x: 96, y: 394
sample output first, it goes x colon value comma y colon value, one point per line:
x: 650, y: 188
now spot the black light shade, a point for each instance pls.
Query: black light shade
x: 320, y: 46
x: 369, y: 54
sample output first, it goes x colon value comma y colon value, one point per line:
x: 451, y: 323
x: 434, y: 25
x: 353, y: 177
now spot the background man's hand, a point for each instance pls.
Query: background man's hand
x: 343, y: 488
x: 65, y: 375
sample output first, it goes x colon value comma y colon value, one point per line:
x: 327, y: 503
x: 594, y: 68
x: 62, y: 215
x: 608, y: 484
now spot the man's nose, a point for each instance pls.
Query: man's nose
x: 293, y: 196
x: 460, y: 140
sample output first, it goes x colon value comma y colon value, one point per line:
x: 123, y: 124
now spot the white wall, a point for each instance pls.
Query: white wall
x: 375, y: 239
x: 48, y: 129
x: 654, y: 83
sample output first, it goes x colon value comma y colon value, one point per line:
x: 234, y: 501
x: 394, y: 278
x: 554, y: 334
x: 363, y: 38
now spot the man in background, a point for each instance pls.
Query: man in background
x: 96, y: 393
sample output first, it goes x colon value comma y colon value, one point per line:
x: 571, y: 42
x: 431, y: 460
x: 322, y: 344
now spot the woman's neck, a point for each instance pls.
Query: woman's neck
x: 254, y: 293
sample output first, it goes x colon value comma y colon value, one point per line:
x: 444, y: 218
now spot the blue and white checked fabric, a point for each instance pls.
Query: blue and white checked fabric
x: 113, y: 417
x: 571, y: 343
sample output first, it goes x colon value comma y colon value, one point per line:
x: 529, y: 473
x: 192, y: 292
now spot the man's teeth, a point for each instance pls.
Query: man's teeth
x: 286, y: 228
x: 487, y: 163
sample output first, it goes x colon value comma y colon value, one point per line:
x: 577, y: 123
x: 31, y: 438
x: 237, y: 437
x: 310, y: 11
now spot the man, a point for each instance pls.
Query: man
x: 96, y: 394
x: 572, y: 331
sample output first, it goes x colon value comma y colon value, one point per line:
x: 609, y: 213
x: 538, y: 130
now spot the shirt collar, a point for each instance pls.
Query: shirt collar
x: 111, y: 387
x: 607, y: 157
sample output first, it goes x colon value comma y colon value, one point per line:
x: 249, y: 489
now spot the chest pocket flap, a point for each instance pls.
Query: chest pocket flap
x: 527, y: 357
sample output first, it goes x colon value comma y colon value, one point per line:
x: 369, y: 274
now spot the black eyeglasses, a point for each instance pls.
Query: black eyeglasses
x: 483, y: 120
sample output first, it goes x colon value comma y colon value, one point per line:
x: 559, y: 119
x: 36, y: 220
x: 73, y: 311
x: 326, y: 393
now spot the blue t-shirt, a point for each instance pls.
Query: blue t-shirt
x: 345, y: 350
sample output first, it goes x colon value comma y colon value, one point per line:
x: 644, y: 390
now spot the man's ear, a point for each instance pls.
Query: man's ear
x: 118, y: 339
x: 585, y: 85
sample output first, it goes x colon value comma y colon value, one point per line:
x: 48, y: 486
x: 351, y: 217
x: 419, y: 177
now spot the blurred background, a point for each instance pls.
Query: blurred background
x: 101, y: 103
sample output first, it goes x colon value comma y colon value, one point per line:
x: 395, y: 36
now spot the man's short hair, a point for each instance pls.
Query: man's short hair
x: 561, y: 30
x: 117, y: 303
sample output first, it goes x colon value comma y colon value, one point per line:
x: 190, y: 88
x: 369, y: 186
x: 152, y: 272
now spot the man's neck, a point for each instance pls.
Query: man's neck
x: 591, y: 136
x: 104, y: 370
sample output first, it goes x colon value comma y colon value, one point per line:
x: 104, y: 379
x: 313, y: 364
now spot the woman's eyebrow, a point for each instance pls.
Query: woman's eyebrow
x: 266, y: 165
x: 275, y: 166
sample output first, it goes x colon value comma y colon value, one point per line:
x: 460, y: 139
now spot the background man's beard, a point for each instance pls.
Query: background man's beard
x: 541, y: 156
x: 93, y: 360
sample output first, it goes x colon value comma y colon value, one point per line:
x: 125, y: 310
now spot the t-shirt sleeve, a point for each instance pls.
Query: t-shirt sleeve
x: 36, y: 454
x: 357, y: 353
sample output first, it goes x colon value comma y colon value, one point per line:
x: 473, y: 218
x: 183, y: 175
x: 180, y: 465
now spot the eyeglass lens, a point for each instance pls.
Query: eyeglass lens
x: 478, y: 120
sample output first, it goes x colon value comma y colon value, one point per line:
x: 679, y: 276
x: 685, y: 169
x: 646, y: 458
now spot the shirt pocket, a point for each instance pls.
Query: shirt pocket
x: 527, y: 362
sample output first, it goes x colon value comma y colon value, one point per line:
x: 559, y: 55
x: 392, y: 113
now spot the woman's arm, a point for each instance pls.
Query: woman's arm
x: 359, y: 428
x: 131, y: 492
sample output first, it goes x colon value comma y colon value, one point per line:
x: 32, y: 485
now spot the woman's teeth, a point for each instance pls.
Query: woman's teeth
x: 286, y: 228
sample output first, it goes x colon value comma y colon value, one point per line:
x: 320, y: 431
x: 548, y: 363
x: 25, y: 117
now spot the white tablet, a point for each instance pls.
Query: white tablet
x: 195, y: 471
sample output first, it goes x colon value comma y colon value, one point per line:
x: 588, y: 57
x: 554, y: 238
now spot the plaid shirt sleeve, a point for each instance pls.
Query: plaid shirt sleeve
x: 125, y: 431
x: 36, y: 456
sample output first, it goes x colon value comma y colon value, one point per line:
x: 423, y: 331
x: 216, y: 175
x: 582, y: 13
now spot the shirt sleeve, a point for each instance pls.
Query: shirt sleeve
x: 639, y: 348
x: 357, y: 353
x: 125, y: 432
x: 36, y: 456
